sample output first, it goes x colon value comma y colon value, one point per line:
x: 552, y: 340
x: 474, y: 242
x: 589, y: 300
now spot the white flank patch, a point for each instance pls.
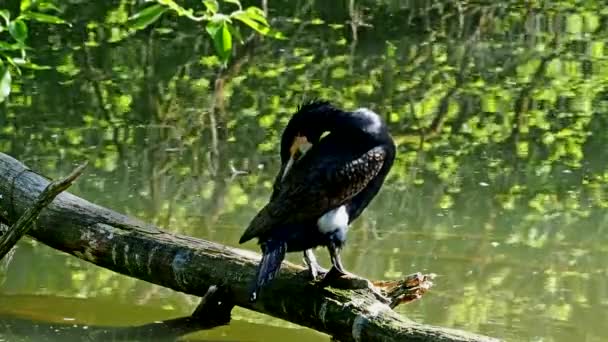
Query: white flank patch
x: 336, y: 219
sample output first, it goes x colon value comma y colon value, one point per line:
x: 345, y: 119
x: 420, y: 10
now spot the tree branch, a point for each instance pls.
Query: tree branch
x: 131, y: 247
x: 23, y: 224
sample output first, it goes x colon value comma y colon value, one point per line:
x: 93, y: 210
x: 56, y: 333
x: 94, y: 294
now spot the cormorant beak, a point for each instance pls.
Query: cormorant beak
x: 299, y: 147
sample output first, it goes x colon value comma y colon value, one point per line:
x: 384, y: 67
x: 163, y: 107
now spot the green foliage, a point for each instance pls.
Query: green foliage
x: 220, y: 27
x: 13, y: 46
x: 147, y: 16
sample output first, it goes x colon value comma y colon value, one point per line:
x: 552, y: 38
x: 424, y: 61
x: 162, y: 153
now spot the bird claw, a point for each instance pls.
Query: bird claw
x: 317, y: 272
x: 346, y: 280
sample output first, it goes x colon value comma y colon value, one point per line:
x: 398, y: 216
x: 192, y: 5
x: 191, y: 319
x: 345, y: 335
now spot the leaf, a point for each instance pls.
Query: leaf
x: 29, y: 65
x: 257, y: 14
x: 226, y: 40
x: 147, y: 16
x: 246, y: 19
x: 212, y: 28
x: 4, y: 46
x: 25, y: 4
x: 272, y: 33
x: 12, y: 62
x: 44, y: 18
x: 18, y: 29
x: 6, y: 15
x: 222, y: 39
x: 211, y: 5
x: 47, y: 6
x: 181, y: 11
x: 5, y: 84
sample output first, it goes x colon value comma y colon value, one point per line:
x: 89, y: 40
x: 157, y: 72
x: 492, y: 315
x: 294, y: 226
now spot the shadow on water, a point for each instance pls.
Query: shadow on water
x: 500, y: 186
x: 48, y: 318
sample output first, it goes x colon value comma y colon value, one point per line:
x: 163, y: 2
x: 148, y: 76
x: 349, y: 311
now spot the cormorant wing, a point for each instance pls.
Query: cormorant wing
x: 320, y: 182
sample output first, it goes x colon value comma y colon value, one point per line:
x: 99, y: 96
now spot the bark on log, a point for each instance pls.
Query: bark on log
x: 134, y: 248
x: 23, y: 224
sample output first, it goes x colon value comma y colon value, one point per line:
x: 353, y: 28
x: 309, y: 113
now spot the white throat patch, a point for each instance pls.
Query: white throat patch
x: 333, y: 220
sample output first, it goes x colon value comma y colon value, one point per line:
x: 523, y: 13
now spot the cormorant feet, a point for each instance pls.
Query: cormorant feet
x: 349, y: 281
x: 317, y: 272
x: 314, y: 269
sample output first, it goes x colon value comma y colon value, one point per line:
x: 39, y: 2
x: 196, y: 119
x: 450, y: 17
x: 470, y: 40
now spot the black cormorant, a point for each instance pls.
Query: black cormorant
x: 333, y: 164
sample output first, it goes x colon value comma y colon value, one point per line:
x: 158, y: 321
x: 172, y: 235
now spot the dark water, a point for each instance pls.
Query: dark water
x: 500, y: 186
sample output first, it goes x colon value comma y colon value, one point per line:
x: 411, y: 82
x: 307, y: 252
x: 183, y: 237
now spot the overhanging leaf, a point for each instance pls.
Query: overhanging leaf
x: 18, y: 29
x: 25, y: 4
x: 257, y: 14
x: 5, y: 84
x: 43, y: 18
x: 4, y: 46
x: 246, y: 19
x: 6, y: 15
x: 222, y: 38
x: 147, y: 16
x: 211, y: 5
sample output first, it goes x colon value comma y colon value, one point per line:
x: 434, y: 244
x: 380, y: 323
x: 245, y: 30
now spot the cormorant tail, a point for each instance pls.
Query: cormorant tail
x: 273, y: 253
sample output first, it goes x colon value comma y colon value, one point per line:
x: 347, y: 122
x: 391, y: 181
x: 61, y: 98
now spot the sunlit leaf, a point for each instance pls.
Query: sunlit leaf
x: 226, y: 39
x: 211, y: 5
x: 6, y: 15
x: 47, y: 6
x: 4, y: 46
x: 147, y: 16
x: 257, y: 14
x: 12, y: 62
x: 246, y: 19
x: 18, y: 30
x: 32, y: 66
x: 25, y: 4
x: 222, y: 38
x: 5, y: 84
x: 44, y: 18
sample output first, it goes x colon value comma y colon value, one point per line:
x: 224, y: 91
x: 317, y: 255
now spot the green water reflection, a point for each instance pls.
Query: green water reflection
x: 500, y: 186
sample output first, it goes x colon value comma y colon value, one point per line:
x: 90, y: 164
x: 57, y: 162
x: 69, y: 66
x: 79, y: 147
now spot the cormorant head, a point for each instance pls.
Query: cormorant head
x: 316, y: 118
x: 305, y: 128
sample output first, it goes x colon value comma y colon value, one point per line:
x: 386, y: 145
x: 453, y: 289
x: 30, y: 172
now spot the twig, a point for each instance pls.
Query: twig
x: 23, y: 224
x: 412, y: 288
x: 215, y: 307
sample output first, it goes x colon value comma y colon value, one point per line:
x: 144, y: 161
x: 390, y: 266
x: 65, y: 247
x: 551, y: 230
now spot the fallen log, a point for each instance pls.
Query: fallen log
x: 134, y: 248
x: 10, y: 238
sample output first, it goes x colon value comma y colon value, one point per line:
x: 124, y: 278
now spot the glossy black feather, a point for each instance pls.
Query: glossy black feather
x: 325, y: 178
x: 345, y: 168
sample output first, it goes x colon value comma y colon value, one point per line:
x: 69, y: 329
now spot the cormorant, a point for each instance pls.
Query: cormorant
x: 333, y: 164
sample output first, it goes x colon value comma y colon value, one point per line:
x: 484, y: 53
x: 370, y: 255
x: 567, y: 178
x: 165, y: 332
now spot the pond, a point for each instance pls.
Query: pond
x: 500, y: 184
